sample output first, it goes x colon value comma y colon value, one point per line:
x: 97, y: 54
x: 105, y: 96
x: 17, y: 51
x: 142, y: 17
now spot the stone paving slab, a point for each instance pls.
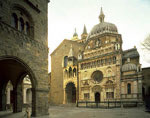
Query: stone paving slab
x: 74, y: 112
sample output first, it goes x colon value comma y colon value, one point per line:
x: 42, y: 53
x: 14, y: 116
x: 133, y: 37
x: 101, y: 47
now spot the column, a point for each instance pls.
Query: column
x: 64, y: 102
x: 24, y: 96
x: 8, y: 95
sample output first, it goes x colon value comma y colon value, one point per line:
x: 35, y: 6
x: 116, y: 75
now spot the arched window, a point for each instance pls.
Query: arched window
x: 129, y: 88
x: 74, y: 72
x: 65, y: 61
x: 22, y: 21
x: 21, y: 24
x: 70, y: 72
x: 14, y: 21
x: 27, y: 28
x: 114, y: 60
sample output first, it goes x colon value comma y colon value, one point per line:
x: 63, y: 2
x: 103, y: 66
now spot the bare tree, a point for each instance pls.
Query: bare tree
x: 146, y: 43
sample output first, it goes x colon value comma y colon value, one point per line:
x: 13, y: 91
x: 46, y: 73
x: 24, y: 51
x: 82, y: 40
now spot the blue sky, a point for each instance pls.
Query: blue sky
x: 132, y: 18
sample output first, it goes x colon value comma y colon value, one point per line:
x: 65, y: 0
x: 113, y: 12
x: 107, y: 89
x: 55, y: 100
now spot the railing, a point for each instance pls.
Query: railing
x: 108, y: 104
x: 131, y: 96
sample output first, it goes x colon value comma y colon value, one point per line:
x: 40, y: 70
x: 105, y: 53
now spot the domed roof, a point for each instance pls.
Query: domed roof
x: 129, y: 67
x: 102, y: 27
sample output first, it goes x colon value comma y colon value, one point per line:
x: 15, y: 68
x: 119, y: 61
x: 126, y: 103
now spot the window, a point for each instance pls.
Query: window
x: 81, y: 66
x: 27, y: 28
x: 86, y: 96
x: 109, y: 95
x: 114, y: 60
x: 21, y: 24
x: 129, y: 88
x: 109, y: 60
x: 97, y: 76
x: 14, y: 21
x: 65, y: 61
x: 105, y: 61
x: 70, y: 72
x: 74, y: 72
x: 22, y: 21
x: 117, y: 46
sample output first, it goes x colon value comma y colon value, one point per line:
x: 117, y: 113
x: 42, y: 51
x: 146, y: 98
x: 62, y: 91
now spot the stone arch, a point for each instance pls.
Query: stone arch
x: 70, y: 90
x: 109, y: 82
x: 109, y: 71
x: 17, y: 69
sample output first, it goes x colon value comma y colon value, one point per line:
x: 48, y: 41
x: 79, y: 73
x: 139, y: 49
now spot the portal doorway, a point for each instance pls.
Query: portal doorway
x: 70, y: 93
x: 97, y: 97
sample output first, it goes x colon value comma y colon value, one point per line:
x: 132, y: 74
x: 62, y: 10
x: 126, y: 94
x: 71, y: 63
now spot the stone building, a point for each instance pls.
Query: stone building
x: 146, y: 84
x: 24, y: 51
x: 95, y: 67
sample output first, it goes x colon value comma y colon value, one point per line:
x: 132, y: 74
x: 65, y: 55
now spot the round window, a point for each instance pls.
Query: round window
x: 97, y: 76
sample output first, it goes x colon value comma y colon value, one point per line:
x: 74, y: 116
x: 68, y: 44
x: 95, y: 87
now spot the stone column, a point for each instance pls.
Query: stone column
x: 18, y: 99
x: 40, y: 104
x: 140, y: 88
x: 2, y: 100
x: 8, y: 95
x: 24, y: 96
x: 64, y: 101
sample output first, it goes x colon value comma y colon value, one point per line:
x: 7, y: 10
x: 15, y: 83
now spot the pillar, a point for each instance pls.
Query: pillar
x: 2, y: 100
x: 64, y: 101
x: 140, y: 88
x: 40, y: 104
x: 18, y: 99
x: 8, y: 95
x: 24, y: 95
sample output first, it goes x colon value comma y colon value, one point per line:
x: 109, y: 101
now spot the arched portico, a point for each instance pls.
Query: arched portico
x: 14, y: 69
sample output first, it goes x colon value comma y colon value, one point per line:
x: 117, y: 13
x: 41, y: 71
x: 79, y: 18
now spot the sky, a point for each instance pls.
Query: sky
x: 132, y: 18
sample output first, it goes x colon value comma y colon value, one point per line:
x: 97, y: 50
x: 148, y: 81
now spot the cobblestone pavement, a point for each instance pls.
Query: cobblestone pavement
x: 73, y: 112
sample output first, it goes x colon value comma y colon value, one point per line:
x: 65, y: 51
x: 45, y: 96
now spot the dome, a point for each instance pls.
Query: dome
x: 103, y: 27
x: 129, y: 67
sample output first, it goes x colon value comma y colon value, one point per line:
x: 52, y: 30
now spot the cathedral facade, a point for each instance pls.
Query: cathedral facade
x: 95, y: 67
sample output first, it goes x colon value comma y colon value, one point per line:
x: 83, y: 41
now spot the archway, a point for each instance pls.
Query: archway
x: 14, y: 70
x: 70, y: 93
x: 97, y: 97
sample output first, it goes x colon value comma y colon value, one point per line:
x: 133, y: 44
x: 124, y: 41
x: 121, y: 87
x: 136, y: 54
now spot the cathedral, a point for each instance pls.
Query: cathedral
x: 95, y: 67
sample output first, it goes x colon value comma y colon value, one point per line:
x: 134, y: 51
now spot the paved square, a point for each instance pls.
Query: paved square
x: 74, y: 112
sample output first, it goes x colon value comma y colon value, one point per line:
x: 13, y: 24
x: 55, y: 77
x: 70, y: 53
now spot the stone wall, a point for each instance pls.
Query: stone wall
x: 31, y: 50
x: 57, y: 56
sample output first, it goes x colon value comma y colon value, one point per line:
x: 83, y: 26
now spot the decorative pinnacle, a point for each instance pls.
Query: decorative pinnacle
x: 101, y: 16
x: 84, y: 30
x: 75, y: 33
